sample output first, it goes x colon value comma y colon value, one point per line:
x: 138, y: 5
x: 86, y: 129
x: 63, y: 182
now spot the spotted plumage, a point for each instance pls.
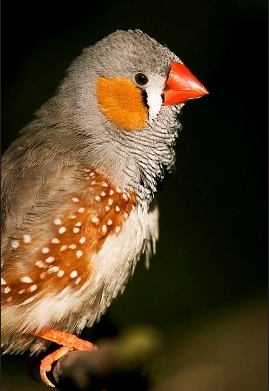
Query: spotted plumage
x: 79, y: 186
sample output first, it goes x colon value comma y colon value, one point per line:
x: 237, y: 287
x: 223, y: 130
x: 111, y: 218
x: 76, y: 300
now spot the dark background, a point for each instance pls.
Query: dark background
x: 212, y: 252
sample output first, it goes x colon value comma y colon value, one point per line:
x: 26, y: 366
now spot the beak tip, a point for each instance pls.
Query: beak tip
x: 201, y: 92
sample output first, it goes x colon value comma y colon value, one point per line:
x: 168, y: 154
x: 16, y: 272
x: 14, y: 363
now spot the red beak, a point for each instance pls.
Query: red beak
x: 181, y: 85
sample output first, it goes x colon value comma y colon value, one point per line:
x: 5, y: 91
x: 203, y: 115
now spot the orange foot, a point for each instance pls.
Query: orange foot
x: 68, y: 341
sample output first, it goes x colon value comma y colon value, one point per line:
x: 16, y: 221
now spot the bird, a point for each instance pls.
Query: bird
x: 79, y: 188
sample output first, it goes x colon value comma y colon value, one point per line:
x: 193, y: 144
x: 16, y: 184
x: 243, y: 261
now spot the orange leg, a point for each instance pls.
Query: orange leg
x: 68, y: 341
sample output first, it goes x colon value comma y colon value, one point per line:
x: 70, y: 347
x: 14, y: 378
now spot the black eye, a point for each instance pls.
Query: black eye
x: 141, y: 79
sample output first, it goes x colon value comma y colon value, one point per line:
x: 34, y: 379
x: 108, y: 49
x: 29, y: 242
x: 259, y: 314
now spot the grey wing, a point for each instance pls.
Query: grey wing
x: 30, y: 177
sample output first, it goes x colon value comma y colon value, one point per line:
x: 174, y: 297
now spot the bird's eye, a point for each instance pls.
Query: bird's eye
x: 141, y: 79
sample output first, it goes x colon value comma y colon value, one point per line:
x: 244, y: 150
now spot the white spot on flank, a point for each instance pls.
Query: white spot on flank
x: 60, y: 273
x: 55, y: 240
x: 75, y: 199
x: 43, y: 275
x: 55, y: 269
x: 57, y: 222
x: 3, y: 281
x: 15, y: 244
x: 62, y: 230
x: 79, y: 224
x: 124, y: 196
x: 103, y: 194
x: 7, y: 289
x: 78, y: 280
x: 72, y: 216
x: 110, y: 201
x: 50, y: 259
x: 104, y: 184
x: 118, y: 190
x: 76, y: 230
x: 104, y: 228
x: 92, y: 175
x: 9, y: 299
x: 74, y: 274
x: 72, y: 246
x: 26, y: 238
x: 45, y: 250
x: 27, y: 301
x: 95, y: 219
x: 117, y: 208
x: 63, y: 248
x: 26, y: 279
x: 117, y: 230
x: 109, y: 222
x: 111, y: 192
x: 81, y: 210
x: 86, y: 170
x: 97, y: 198
x: 125, y: 215
x: 107, y: 208
x: 32, y: 288
x: 82, y: 240
x: 41, y: 264
x: 79, y: 253
x: 93, y: 182
x: 21, y: 291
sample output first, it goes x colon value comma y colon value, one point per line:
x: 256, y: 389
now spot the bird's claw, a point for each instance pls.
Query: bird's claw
x: 69, y: 341
x: 45, y: 367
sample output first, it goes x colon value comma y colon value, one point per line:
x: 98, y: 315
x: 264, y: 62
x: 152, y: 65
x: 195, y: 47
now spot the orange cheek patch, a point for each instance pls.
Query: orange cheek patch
x: 122, y: 103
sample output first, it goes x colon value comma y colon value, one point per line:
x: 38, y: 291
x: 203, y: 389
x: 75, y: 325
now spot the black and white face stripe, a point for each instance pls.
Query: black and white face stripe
x: 152, y: 94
